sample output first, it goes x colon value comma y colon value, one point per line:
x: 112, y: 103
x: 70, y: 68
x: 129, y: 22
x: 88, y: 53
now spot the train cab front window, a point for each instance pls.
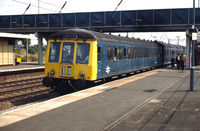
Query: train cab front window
x: 68, y: 52
x: 54, y: 52
x: 82, y: 54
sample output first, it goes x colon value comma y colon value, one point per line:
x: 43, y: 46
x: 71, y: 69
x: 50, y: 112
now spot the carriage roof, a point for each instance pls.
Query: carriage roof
x: 91, y: 35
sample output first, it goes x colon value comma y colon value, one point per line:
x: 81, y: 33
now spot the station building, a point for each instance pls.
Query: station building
x: 7, y: 47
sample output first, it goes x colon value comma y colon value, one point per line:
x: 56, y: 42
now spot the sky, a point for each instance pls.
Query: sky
x: 18, y: 7
x: 12, y: 7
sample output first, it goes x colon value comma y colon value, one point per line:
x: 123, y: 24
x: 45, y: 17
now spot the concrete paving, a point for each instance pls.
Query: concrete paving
x: 20, y: 67
x: 154, y: 100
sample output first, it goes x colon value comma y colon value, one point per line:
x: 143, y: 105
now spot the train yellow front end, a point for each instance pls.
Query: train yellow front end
x: 70, y: 59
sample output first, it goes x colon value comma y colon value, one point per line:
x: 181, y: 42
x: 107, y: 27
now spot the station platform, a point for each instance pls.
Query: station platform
x: 21, y: 66
x: 155, y: 100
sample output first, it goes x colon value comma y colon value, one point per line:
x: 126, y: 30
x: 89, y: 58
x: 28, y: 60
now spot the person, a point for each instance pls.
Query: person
x: 183, y: 61
x: 172, y: 60
x: 86, y: 60
x: 178, y: 61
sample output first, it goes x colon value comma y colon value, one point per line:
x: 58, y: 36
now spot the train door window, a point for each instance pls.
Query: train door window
x: 82, y: 54
x: 128, y: 53
x: 139, y: 53
x: 156, y: 53
x: 136, y: 53
x: 142, y: 53
x: 147, y: 53
x: 132, y: 53
x: 125, y: 53
x: 150, y: 52
x: 54, y: 51
x: 120, y: 53
x: 115, y: 54
x: 99, y: 53
x: 110, y: 50
x: 68, y: 52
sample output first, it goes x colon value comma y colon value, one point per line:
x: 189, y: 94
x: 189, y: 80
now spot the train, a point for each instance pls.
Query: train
x: 81, y: 56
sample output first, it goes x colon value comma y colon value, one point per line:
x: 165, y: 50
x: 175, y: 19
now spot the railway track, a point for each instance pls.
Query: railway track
x: 19, y: 89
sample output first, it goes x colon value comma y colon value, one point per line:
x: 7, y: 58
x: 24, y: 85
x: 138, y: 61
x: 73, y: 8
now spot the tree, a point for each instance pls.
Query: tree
x: 24, y: 42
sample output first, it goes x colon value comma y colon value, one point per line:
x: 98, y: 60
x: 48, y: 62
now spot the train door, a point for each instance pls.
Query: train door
x: 66, y: 65
x: 132, y: 59
x: 128, y: 57
x: 120, y: 59
x: 99, y: 61
x: 109, y: 64
x: 142, y: 59
x: 145, y: 58
x: 137, y: 56
x: 115, y: 60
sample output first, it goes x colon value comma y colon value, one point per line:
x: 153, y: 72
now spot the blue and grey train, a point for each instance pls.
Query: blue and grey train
x: 80, y: 56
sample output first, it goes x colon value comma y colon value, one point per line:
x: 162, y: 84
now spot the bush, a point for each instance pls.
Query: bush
x: 33, y: 58
x: 45, y: 48
x: 31, y: 51
x: 23, y: 59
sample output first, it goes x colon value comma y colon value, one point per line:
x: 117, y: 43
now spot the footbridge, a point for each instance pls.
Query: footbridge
x: 118, y: 21
x: 159, y: 20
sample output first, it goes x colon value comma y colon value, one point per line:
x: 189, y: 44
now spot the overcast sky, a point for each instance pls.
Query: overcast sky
x: 12, y: 7
x: 18, y: 7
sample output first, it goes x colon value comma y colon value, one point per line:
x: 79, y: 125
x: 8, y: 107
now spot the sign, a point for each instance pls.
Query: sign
x: 107, y: 69
x: 194, y: 36
x: 70, y: 36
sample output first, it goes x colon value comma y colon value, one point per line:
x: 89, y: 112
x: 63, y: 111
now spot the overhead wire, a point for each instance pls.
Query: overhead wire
x: 54, y: 5
x: 115, y: 10
x: 39, y: 7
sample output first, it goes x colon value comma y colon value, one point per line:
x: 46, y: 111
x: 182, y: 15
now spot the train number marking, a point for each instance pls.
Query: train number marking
x: 108, y: 69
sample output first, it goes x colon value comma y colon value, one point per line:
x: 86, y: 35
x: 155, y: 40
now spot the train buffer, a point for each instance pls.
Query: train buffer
x: 155, y: 100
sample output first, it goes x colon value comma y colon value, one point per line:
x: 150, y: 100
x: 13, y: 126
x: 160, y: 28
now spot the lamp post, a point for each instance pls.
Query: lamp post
x: 194, y: 38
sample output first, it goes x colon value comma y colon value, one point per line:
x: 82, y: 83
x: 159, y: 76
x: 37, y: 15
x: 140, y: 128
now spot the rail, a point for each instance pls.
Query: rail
x: 22, y: 89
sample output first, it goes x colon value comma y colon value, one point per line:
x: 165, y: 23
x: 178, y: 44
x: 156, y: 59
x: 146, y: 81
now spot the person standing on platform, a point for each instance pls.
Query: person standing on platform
x: 178, y: 61
x: 183, y: 61
x: 173, y: 60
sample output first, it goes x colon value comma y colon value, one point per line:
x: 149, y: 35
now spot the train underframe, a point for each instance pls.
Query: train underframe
x: 63, y: 86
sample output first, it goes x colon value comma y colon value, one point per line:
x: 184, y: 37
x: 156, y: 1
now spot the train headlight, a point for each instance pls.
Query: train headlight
x: 69, y: 70
x: 81, y: 74
x: 52, y: 72
x: 63, y: 70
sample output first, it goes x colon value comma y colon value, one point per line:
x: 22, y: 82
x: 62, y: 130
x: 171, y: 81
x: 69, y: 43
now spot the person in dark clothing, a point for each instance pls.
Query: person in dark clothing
x: 178, y: 61
x: 173, y: 60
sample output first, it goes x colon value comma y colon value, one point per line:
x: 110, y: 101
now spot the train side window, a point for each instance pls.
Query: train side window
x: 156, y: 53
x: 125, y: 53
x: 132, y: 53
x: 115, y: 54
x: 110, y: 50
x: 150, y: 52
x: 128, y: 53
x: 54, y: 51
x: 147, y: 53
x: 99, y: 53
x: 136, y: 53
x: 120, y: 53
x: 142, y: 53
